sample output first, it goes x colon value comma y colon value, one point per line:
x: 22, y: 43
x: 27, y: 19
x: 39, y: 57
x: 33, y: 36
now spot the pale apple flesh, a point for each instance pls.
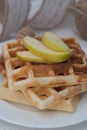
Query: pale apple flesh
x: 54, y: 42
x: 28, y: 56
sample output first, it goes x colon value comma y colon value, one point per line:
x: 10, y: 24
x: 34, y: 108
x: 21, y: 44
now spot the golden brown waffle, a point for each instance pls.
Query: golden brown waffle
x: 13, y: 96
x: 22, y: 75
x: 27, y: 74
x: 2, y: 67
x: 47, y: 97
x: 79, y: 58
x: 68, y: 104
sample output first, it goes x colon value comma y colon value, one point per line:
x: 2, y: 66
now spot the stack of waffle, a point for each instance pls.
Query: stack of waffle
x: 45, y: 86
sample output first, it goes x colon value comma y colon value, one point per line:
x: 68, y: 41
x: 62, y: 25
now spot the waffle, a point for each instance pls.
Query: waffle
x: 2, y: 67
x: 34, y: 79
x: 20, y: 74
x: 68, y: 104
x: 47, y: 97
x: 13, y: 96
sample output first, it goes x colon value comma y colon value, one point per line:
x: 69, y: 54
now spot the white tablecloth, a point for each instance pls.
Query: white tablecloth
x: 63, y: 32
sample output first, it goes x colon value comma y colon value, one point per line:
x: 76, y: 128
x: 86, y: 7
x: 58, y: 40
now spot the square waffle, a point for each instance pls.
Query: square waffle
x: 20, y: 73
x: 68, y: 104
x: 47, y: 97
x: 30, y: 77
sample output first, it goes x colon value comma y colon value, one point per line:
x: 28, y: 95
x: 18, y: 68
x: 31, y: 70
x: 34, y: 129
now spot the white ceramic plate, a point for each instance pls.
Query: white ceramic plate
x: 31, y: 117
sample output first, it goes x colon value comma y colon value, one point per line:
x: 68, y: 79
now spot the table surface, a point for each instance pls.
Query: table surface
x: 62, y: 31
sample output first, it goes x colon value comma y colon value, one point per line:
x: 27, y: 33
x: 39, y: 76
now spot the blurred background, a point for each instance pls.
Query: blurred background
x: 32, y: 17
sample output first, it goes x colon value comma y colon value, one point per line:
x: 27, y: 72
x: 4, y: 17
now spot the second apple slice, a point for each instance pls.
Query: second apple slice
x: 54, y: 42
x: 38, y: 49
x: 28, y: 56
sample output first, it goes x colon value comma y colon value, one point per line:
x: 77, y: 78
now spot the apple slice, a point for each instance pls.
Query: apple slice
x: 54, y: 42
x: 38, y: 49
x: 28, y: 56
